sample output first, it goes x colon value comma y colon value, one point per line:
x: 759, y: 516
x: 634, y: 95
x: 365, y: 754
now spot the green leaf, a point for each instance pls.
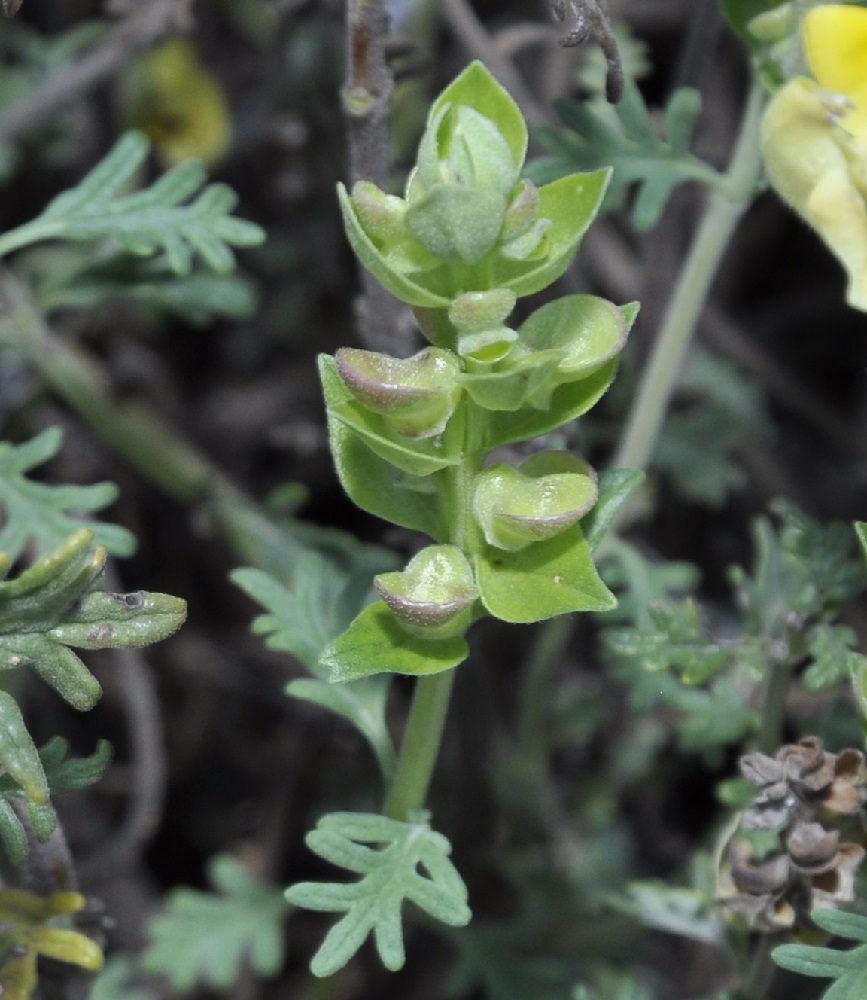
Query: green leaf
x: 400, y: 285
x: 207, y: 937
x: 685, y: 912
x: 61, y: 774
x: 417, y: 457
x: 410, y: 862
x: 568, y: 402
x: 477, y: 89
x: 739, y: 13
x: 374, y: 485
x: 624, y: 137
x: 545, y: 579
x: 44, y: 514
x: 675, y: 637
x: 841, y: 923
x: 712, y: 718
x: 813, y: 960
x: 723, y: 411
x: 18, y: 754
x: 147, y: 221
x: 197, y: 297
x: 571, y: 203
x: 831, y: 649
x: 615, y: 487
x: 861, y: 534
x: 302, y: 620
x: 49, y: 607
x: 376, y: 642
x: 113, y: 982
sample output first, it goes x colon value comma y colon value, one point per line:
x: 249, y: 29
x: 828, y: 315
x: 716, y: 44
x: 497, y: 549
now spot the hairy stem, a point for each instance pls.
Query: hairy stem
x: 725, y: 208
x: 421, y: 743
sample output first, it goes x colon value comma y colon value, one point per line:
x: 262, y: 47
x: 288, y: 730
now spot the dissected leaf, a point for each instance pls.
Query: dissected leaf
x: 46, y: 514
x: 626, y: 139
x: 676, y: 637
x: 176, y: 214
x: 409, y: 862
x: 206, y: 937
x: 848, y: 968
x: 49, y: 607
x: 302, y: 619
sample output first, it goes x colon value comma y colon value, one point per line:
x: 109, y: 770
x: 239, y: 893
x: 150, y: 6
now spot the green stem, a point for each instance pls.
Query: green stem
x: 774, y: 706
x: 421, y: 743
x: 727, y: 204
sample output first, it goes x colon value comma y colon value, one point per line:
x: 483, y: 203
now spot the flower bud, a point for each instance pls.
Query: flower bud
x: 548, y: 493
x: 432, y: 597
x: 458, y: 193
x: 417, y: 395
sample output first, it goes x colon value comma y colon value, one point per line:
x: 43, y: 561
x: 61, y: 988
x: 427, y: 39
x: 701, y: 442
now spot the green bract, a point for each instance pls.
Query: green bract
x: 410, y: 438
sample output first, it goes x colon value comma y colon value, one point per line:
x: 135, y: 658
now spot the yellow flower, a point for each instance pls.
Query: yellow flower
x: 814, y: 138
x: 179, y: 105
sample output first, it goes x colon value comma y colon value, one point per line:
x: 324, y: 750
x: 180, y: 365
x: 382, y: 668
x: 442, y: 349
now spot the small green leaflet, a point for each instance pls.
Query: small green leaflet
x: 206, y: 937
x: 146, y: 221
x: 390, y: 874
x: 33, y: 511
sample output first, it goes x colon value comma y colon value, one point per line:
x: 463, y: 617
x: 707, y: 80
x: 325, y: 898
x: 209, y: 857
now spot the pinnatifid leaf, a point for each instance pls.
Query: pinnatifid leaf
x: 206, y: 937
x: 178, y: 214
x: 46, y: 515
x: 301, y: 619
x: 625, y: 138
x: 409, y: 861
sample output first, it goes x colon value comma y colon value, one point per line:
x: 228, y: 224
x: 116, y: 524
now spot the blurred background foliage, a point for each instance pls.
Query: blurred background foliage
x: 564, y: 778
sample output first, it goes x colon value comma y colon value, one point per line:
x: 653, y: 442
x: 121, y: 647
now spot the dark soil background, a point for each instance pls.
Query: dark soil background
x: 248, y: 770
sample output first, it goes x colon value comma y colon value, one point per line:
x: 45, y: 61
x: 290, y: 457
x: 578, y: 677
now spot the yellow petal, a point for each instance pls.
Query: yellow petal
x: 835, y: 37
x: 810, y: 164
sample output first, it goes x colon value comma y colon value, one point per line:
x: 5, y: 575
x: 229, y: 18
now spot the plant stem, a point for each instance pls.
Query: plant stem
x: 774, y: 706
x: 727, y: 204
x: 421, y: 743
x: 430, y: 701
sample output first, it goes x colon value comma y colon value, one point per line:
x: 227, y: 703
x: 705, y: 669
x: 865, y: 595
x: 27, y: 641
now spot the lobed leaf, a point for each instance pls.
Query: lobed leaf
x: 410, y: 863
x: 206, y: 937
x: 627, y: 141
x: 150, y: 220
x: 46, y: 515
x: 302, y: 619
